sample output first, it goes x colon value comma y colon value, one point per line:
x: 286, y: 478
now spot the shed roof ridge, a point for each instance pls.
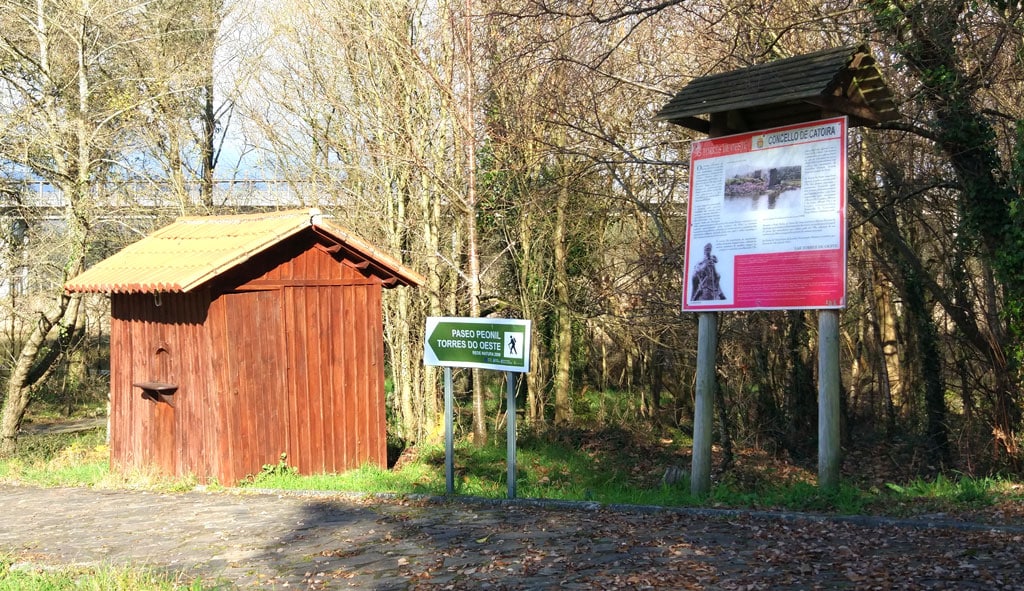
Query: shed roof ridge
x: 155, y: 263
x: 308, y: 212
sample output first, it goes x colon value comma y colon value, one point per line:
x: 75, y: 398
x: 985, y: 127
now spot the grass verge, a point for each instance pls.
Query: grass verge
x: 616, y: 467
x: 22, y: 576
x: 610, y: 466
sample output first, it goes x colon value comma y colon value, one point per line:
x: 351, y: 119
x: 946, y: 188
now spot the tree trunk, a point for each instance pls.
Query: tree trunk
x: 536, y: 380
x: 45, y: 344
x: 401, y: 370
x: 471, y: 205
x: 208, y: 152
x: 430, y: 209
x: 209, y: 116
x: 563, y: 353
x: 926, y: 337
x: 528, y: 302
x: 888, y: 338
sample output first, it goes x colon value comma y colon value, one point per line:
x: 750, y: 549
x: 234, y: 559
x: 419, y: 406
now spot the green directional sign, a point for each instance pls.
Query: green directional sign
x: 485, y: 343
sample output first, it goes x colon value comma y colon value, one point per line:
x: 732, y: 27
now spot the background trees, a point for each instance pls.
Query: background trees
x: 506, y: 150
x: 81, y: 80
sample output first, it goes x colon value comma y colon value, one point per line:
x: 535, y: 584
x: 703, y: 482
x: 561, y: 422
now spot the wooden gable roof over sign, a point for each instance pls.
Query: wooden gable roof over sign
x: 840, y: 81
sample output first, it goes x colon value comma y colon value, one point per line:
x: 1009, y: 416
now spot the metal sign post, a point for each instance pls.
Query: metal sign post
x: 449, y: 452
x: 510, y: 430
x: 484, y: 343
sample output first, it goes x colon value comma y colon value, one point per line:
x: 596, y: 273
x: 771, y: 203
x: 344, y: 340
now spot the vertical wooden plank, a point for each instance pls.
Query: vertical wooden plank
x: 184, y: 426
x: 202, y: 388
x: 366, y: 410
x: 309, y: 406
x: 240, y: 333
x: 315, y: 396
x: 363, y: 372
x: 336, y: 389
x: 269, y: 386
x: 137, y: 365
x: 343, y: 391
x: 257, y: 392
x: 120, y: 429
x: 164, y: 352
x: 358, y: 372
x: 373, y: 332
x: 243, y: 310
x: 213, y: 388
x: 141, y: 365
x: 327, y: 350
x: 176, y: 359
x: 278, y: 375
x: 291, y: 396
x: 356, y: 351
x: 303, y: 417
x: 227, y: 377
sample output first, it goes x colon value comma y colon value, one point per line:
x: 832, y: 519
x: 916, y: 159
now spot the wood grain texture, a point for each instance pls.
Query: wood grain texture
x: 281, y: 356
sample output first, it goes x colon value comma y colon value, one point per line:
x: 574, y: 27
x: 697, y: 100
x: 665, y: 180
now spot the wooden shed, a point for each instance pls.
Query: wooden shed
x: 235, y: 339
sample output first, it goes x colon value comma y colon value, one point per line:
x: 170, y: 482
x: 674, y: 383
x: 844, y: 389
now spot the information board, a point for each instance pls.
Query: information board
x: 766, y: 224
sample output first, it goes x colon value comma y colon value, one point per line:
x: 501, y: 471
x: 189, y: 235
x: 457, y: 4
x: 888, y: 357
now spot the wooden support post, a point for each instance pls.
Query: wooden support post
x: 703, y: 413
x: 828, y: 399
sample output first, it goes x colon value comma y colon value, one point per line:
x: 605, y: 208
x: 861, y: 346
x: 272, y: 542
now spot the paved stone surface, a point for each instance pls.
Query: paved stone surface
x: 292, y: 541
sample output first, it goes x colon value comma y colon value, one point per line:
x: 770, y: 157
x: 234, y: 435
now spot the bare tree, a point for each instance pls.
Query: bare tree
x: 74, y: 104
x: 174, y: 60
x: 367, y: 115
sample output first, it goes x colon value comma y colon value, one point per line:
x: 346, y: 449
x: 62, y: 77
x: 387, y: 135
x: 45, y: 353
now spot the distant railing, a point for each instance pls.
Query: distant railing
x: 226, y: 193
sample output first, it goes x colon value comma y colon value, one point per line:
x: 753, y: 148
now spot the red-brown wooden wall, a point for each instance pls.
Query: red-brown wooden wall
x: 282, y: 355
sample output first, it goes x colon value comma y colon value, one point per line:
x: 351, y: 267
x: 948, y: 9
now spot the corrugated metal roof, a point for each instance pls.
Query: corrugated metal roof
x: 192, y: 250
x: 843, y: 80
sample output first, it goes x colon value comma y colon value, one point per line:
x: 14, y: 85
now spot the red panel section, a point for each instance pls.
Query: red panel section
x: 809, y: 279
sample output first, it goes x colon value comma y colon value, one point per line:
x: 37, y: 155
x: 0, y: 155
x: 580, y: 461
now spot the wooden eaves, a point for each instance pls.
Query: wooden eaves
x: 844, y: 80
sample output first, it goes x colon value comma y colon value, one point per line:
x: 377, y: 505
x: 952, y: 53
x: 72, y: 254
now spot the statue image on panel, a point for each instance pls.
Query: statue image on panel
x: 706, y: 280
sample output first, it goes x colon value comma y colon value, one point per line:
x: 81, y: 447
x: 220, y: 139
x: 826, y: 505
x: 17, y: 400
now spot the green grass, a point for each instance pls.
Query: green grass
x: 22, y: 576
x: 77, y: 459
x: 609, y: 474
x: 945, y: 495
x: 605, y: 465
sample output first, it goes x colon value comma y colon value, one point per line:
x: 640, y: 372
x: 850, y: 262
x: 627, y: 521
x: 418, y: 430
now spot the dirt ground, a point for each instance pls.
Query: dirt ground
x: 267, y: 540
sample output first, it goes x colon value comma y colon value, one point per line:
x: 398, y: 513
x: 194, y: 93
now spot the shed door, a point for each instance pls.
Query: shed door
x: 253, y: 395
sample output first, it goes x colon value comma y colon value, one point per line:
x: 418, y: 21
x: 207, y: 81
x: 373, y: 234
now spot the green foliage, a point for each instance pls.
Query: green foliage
x: 943, y: 491
x: 60, y: 459
x: 791, y: 496
x: 280, y: 471
x: 606, y: 464
x: 18, y: 576
x: 77, y: 459
x: 572, y: 467
x: 1012, y: 257
x: 606, y: 407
